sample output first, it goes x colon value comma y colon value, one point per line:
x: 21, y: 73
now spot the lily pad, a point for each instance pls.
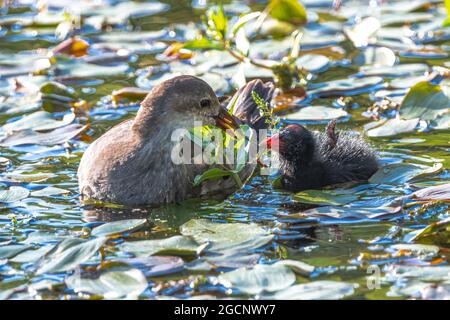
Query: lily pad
x: 177, y: 245
x: 262, y: 278
x: 317, y: 113
x: 346, y: 87
x: 326, y: 197
x: 111, y: 285
x: 155, y: 266
x: 317, y: 290
x: 223, y: 236
x: 56, y: 136
x: 399, y: 173
x: 117, y: 227
x: 391, y: 127
x: 12, y: 250
x: 13, y: 194
x: 298, y: 267
x: 38, y: 121
x: 68, y: 255
x: 48, y: 192
x: 434, y: 193
x: 425, y: 101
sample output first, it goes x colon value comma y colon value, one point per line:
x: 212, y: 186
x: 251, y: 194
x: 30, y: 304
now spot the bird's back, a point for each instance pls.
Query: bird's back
x: 351, y: 158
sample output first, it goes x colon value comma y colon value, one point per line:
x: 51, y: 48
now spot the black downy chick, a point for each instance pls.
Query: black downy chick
x: 312, y: 160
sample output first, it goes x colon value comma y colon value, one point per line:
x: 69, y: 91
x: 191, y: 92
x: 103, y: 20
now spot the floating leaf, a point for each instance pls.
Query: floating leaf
x: 262, y: 278
x: 111, y: 285
x: 155, y: 266
x: 361, y: 33
x: 316, y: 113
x: 391, y: 127
x: 434, y: 193
x: 129, y: 93
x: 313, y: 62
x: 399, y: 70
x: 298, y: 267
x: 68, y: 255
x: 326, y: 197
x: 399, y: 173
x: 38, y: 121
x: 317, y: 290
x: 435, y: 233
x: 13, y: 194
x: 177, y: 245
x: 425, y: 101
x: 10, y: 251
x: 117, y: 227
x: 291, y: 11
x: 211, y: 174
x: 346, y: 87
x: 32, y: 255
x: 352, y: 213
x: 225, y: 235
x: 48, y: 192
x: 56, y: 136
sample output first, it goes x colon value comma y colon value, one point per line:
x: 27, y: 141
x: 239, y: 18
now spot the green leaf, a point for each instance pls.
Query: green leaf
x: 177, y: 245
x: 118, y: 227
x: 436, y: 233
x: 291, y: 11
x: 326, y: 197
x: 262, y: 278
x: 399, y: 173
x: 226, y: 236
x: 212, y: 174
x: 13, y: 194
x: 425, y: 101
x: 203, y: 44
x: 447, y: 7
x: 69, y: 254
x: 111, y: 285
x: 243, y: 20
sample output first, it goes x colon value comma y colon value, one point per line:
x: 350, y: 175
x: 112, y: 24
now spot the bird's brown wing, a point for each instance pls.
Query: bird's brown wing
x: 332, y: 134
x: 244, y: 106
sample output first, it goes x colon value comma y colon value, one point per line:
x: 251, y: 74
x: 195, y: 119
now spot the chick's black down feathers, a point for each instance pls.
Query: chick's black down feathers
x: 329, y: 158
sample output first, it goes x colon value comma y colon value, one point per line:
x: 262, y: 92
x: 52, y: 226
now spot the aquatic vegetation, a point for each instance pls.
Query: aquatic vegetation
x: 71, y: 71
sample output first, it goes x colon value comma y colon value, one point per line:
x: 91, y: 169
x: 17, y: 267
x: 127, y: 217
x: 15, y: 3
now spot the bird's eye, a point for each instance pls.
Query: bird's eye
x: 205, y: 103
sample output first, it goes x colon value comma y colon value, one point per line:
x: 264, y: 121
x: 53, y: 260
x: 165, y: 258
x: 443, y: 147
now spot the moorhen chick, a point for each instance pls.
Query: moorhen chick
x: 312, y: 160
x: 131, y: 163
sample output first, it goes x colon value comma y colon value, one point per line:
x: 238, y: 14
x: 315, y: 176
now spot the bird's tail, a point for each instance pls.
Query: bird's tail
x: 244, y: 107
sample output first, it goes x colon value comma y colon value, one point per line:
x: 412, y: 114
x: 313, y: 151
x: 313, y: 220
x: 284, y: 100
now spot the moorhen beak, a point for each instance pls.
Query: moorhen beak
x: 273, y: 142
x: 225, y: 121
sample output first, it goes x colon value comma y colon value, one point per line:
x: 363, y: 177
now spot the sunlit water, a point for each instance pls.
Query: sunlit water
x: 340, y: 248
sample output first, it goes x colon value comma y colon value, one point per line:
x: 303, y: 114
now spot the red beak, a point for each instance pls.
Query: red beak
x: 273, y: 142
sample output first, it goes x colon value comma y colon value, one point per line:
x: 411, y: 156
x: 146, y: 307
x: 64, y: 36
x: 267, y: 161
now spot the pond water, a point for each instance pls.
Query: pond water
x: 357, y: 232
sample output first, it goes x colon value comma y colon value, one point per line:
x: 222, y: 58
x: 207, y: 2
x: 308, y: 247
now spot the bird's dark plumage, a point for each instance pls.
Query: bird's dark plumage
x: 312, y: 160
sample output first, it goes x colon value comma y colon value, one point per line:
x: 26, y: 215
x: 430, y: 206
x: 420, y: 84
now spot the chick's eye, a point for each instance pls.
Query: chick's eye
x: 205, y: 103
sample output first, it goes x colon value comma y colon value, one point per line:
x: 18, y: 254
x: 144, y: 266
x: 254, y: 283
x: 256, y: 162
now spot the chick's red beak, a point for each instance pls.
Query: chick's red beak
x: 225, y: 121
x: 273, y: 142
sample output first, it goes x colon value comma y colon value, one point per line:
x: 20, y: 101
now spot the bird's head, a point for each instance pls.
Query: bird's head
x: 181, y: 101
x: 294, y: 143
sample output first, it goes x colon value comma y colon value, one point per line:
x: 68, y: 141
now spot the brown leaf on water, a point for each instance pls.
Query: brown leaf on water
x: 73, y: 46
x: 288, y: 99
